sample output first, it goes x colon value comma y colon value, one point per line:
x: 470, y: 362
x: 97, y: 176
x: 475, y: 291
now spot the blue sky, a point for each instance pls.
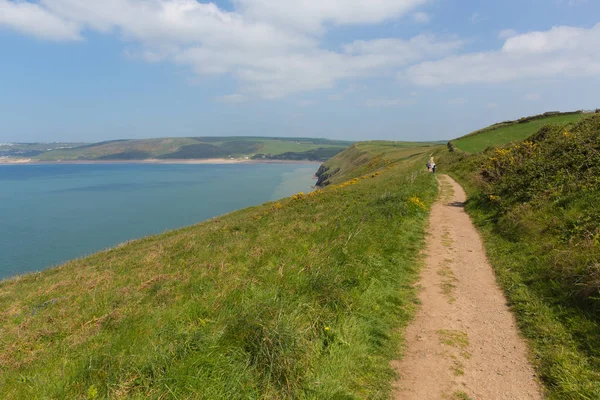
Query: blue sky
x: 77, y: 70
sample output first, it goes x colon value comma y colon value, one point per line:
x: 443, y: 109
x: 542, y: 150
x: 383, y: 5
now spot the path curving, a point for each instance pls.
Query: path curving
x: 463, y: 342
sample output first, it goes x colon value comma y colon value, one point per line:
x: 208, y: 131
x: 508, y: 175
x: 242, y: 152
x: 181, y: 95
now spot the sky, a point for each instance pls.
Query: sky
x: 87, y: 71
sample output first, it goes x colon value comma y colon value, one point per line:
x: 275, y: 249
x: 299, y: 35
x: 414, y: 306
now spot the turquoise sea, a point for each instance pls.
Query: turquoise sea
x: 56, y: 212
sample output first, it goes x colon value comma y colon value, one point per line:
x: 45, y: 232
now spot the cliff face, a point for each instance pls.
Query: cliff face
x: 343, y: 163
x: 323, y: 175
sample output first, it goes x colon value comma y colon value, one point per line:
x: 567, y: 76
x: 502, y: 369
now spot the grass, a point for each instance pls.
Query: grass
x: 285, y: 146
x: 363, y: 157
x: 460, y: 395
x: 448, y: 284
x: 501, y: 134
x: 457, y: 339
x: 536, y: 205
x: 305, y: 298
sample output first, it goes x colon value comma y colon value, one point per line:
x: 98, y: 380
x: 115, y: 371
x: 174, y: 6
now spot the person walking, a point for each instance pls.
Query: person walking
x: 431, y: 165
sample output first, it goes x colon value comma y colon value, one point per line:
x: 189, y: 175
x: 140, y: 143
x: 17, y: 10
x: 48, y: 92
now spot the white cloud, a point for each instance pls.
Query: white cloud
x: 561, y: 51
x: 273, y: 47
x: 558, y: 38
x: 476, y: 18
x: 459, y: 101
x: 572, y: 2
x: 335, y: 97
x: 169, y: 22
x: 402, y: 52
x: 507, y: 33
x: 422, y: 17
x: 532, y: 97
x: 312, y: 15
x: 387, y: 102
x: 305, y: 103
x: 270, y: 46
x: 355, y: 88
x: 274, y: 74
x: 231, y: 98
x: 31, y: 19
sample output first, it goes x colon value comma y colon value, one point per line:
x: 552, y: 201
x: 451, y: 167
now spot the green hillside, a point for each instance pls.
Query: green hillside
x: 365, y: 156
x: 299, y: 299
x: 201, y: 148
x: 536, y: 203
x: 24, y: 150
x: 511, y: 131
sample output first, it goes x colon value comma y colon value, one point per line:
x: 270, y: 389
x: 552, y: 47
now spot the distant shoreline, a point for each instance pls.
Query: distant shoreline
x: 214, y: 161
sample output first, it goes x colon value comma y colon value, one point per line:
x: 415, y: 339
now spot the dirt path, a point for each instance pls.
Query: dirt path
x: 463, y: 343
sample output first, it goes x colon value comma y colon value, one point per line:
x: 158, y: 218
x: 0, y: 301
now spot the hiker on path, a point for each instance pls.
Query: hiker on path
x: 431, y: 165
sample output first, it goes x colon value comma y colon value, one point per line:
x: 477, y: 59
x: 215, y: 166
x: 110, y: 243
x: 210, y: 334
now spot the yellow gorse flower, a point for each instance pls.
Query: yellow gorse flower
x: 298, y: 196
x: 417, y: 202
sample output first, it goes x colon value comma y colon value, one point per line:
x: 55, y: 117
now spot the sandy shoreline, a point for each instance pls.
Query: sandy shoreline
x: 28, y: 161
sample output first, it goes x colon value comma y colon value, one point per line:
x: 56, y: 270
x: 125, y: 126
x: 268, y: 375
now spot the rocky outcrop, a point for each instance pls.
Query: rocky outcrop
x: 323, y: 175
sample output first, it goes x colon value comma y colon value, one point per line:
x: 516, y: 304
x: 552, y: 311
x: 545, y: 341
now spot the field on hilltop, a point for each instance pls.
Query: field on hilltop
x: 303, y: 298
x: 536, y: 204
x: 201, y: 148
x: 511, y: 131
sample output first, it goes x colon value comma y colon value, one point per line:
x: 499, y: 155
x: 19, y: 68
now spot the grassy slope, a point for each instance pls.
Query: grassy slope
x: 285, y: 146
x: 302, y: 298
x: 209, y: 147
x: 503, y: 133
x: 365, y: 156
x: 536, y: 204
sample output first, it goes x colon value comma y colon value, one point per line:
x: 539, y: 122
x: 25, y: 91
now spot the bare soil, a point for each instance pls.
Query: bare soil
x: 463, y: 343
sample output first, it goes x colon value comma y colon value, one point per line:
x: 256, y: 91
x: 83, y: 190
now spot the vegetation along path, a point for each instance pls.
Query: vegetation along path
x: 463, y: 343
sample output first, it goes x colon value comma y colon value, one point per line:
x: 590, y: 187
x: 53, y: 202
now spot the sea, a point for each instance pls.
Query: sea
x: 52, y: 213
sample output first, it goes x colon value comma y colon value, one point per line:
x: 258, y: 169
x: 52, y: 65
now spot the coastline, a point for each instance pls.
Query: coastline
x: 214, y: 161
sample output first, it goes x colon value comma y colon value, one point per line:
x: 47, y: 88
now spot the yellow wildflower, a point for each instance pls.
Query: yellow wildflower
x: 298, y: 196
x: 417, y: 202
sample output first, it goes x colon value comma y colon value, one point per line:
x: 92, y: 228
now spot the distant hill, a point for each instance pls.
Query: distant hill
x: 201, y: 148
x: 511, y: 131
x: 24, y: 150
